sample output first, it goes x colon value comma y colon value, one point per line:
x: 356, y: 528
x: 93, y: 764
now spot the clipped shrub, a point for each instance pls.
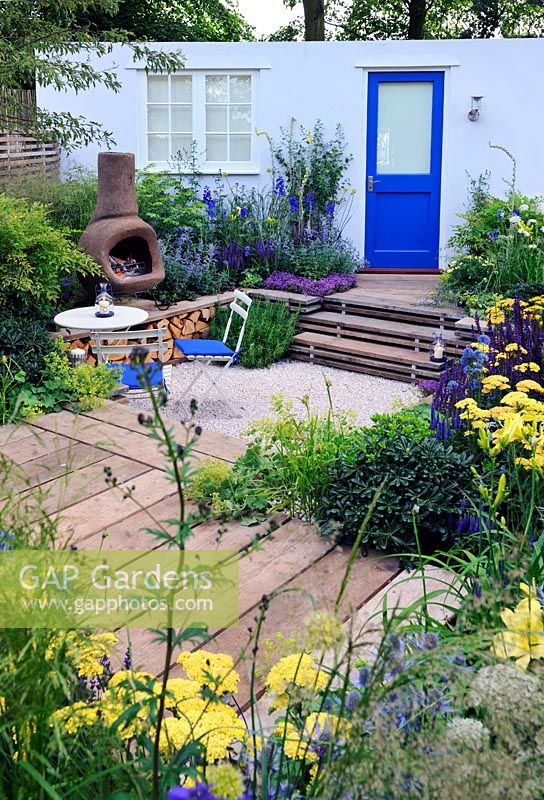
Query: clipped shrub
x: 35, y: 258
x: 269, y: 331
x: 425, y: 480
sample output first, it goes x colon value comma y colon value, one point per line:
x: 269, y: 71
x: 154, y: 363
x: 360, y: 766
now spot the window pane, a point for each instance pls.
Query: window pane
x: 157, y: 119
x: 157, y: 89
x: 240, y: 88
x: 182, y: 89
x: 157, y: 148
x: 216, y: 148
x: 216, y: 118
x: 182, y: 143
x: 216, y: 88
x: 404, y: 128
x: 182, y: 118
x: 240, y: 118
x: 240, y: 148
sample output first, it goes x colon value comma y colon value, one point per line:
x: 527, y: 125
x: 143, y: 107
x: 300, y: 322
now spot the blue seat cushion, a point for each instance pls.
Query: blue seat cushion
x: 130, y: 375
x: 203, y: 347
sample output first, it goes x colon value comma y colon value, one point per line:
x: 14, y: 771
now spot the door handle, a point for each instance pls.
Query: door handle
x: 370, y: 181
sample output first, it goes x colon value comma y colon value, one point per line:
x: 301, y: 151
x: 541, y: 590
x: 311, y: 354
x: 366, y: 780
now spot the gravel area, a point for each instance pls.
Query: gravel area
x: 249, y: 392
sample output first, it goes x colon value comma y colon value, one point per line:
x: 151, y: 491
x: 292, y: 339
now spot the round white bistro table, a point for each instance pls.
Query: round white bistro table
x: 84, y: 319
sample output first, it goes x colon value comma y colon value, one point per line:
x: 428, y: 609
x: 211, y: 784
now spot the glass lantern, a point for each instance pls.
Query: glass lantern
x: 438, y: 348
x: 103, y: 306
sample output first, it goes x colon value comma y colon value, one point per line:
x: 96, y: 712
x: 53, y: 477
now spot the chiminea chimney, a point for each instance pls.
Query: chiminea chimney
x: 116, y: 237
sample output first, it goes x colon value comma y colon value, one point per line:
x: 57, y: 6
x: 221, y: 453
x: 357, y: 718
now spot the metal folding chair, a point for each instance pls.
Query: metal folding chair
x: 108, y: 343
x: 206, y: 352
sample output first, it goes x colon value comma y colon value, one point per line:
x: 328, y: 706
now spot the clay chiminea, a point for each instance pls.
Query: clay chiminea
x: 123, y: 244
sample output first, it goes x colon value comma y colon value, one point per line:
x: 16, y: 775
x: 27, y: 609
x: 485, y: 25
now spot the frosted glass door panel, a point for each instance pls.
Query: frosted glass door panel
x: 404, y: 128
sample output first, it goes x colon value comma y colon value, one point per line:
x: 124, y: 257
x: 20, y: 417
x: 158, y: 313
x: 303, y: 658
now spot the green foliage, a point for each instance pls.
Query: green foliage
x: 439, y: 19
x: 167, y: 204
x: 311, y: 163
x: 35, y: 258
x: 238, y: 492
x: 316, y: 260
x: 301, y: 451
x: 179, y: 21
x: 269, y: 331
x: 82, y: 387
x: 27, y: 342
x: 46, y: 43
x: 70, y: 203
x: 425, y: 482
x: 501, y: 243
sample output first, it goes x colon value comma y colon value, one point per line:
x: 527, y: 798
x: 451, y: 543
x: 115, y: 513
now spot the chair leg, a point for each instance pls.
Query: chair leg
x: 204, y: 372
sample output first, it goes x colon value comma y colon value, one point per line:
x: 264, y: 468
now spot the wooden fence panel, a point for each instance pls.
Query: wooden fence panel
x: 23, y: 154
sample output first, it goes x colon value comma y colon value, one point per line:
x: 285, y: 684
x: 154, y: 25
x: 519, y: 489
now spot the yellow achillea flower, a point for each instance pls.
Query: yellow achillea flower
x: 181, y: 690
x: 529, y: 386
x: 72, y: 718
x: 84, y: 651
x: 494, y: 383
x: 524, y: 637
x: 225, y: 781
x: 514, y: 347
x: 215, y: 670
x: 295, y: 746
x: 295, y: 670
x: 324, y: 631
x: 215, y: 726
x: 527, y: 367
x: 515, y: 399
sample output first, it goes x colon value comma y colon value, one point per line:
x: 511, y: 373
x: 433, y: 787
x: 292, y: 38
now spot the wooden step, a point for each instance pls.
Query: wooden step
x: 388, y: 361
x: 306, y: 303
x: 374, y: 329
x: 384, y: 309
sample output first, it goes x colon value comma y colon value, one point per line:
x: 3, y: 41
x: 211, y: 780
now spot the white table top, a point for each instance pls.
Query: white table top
x: 84, y: 319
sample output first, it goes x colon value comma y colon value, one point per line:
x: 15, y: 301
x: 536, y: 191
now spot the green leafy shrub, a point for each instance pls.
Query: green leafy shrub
x: 500, y: 242
x: 167, y: 204
x: 269, y: 331
x: 300, y: 452
x: 317, y: 259
x: 82, y: 387
x: 238, y: 492
x: 26, y: 341
x: 70, y: 203
x: 424, y: 478
x: 35, y: 258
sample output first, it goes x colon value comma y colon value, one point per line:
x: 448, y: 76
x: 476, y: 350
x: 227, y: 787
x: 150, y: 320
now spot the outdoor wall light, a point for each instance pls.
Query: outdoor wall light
x: 475, y: 105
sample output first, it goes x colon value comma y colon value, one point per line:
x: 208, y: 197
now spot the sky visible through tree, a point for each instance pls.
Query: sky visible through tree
x: 266, y: 15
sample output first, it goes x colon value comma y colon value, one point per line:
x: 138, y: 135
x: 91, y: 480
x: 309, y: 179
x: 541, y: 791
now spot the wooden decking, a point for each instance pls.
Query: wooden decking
x: 61, y: 459
x: 60, y: 462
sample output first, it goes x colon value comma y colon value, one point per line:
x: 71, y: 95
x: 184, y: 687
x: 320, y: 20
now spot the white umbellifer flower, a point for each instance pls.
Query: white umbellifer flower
x: 467, y: 732
x: 524, y: 207
x: 514, y: 219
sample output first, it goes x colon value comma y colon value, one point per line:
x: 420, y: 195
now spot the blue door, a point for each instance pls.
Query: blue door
x: 404, y: 161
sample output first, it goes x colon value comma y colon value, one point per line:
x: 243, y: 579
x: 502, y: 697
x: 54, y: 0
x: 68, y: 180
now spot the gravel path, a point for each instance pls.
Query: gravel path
x: 249, y: 392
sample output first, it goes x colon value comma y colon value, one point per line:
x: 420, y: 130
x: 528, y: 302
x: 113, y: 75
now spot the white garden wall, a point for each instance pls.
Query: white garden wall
x: 328, y: 81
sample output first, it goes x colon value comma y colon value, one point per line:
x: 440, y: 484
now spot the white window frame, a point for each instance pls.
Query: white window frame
x: 251, y: 167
